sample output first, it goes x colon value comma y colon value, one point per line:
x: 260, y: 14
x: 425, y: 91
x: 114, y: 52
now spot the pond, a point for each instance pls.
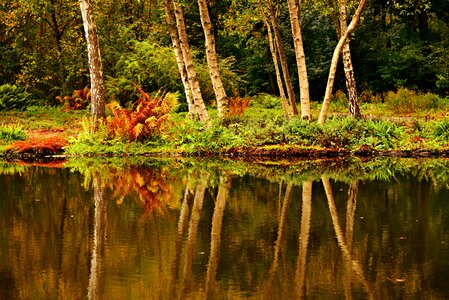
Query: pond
x: 211, y: 230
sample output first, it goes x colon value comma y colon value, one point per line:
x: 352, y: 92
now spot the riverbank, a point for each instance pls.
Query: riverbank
x: 261, y: 131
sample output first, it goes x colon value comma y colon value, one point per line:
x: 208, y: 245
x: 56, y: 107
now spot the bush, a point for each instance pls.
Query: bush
x: 145, y: 121
x: 441, y: 131
x: 14, y: 98
x: 11, y: 133
x: 409, y: 101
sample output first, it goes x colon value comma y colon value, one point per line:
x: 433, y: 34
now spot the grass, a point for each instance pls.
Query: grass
x: 261, y: 125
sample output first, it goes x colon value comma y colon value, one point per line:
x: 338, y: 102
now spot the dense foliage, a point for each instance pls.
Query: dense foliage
x: 42, y: 47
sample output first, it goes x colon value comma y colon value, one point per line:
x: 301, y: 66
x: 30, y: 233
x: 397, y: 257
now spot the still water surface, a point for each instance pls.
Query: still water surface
x: 203, y: 232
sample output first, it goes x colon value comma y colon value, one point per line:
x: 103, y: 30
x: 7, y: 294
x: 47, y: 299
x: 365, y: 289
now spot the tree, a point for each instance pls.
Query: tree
x: 293, y: 110
x: 171, y: 23
x: 335, y: 56
x: 212, y: 60
x: 354, y: 109
x: 98, y: 112
x: 295, y: 12
x: 274, y: 56
x: 200, y: 107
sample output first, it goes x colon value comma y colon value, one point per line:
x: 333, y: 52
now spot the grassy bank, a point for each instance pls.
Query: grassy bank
x: 405, y: 122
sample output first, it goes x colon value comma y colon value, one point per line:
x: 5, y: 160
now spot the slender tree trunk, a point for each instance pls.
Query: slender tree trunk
x: 274, y: 56
x: 335, y: 56
x: 354, y: 109
x: 200, y: 107
x: 98, y: 110
x: 293, y: 110
x: 295, y: 12
x: 212, y: 60
x: 171, y: 22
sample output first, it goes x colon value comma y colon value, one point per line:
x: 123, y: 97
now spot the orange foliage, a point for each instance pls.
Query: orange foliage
x: 48, y: 146
x: 238, y: 106
x: 145, y: 120
x: 79, y: 99
x: 150, y: 185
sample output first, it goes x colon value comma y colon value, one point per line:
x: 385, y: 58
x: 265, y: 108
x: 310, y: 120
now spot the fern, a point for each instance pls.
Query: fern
x: 80, y: 99
x: 145, y: 120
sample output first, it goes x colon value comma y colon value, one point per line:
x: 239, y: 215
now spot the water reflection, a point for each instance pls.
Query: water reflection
x: 210, y: 231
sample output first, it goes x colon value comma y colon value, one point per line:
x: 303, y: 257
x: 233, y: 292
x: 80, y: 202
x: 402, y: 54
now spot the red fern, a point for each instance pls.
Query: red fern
x: 145, y: 120
x: 80, y: 99
x: 48, y: 146
x: 238, y: 106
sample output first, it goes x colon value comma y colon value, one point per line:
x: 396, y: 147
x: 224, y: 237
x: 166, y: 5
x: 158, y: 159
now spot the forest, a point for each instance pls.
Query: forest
x: 267, y: 55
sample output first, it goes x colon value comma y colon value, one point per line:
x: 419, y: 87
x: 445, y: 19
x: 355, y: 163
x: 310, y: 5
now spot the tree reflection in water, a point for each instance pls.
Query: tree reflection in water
x: 214, y: 232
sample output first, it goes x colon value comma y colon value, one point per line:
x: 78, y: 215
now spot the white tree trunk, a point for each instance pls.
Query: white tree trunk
x: 335, y: 56
x: 212, y: 60
x: 293, y: 110
x: 274, y: 56
x: 95, y: 65
x: 171, y: 22
x: 300, y: 59
x: 200, y: 107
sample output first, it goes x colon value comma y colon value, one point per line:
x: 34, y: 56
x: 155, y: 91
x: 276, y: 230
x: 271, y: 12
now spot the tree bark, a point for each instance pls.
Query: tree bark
x: 293, y: 110
x: 354, y: 109
x: 212, y: 60
x: 200, y: 107
x: 295, y: 12
x: 171, y: 22
x: 274, y: 56
x: 98, y: 110
x: 335, y: 56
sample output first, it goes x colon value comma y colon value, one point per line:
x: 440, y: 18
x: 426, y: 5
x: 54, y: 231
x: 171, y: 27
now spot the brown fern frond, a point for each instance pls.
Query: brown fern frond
x: 141, y: 91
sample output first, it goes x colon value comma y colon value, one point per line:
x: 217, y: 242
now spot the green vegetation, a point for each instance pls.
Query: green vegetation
x: 151, y: 127
x: 14, y: 98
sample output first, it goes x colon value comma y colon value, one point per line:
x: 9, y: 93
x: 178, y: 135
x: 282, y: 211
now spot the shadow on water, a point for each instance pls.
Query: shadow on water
x: 178, y: 228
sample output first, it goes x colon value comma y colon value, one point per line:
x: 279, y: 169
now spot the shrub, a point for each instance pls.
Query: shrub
x: 441, y: 131
x: 80, y: 99
x: 145, y: 120
x: 409, y: 101
x: 14, y: 98
x: 238, y: 106
x: 12, y: 133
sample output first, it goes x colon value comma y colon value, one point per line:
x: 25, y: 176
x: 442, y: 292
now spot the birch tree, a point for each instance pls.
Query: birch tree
x: 335, y: 56
x: 295, y: 12
x: 354, y: 109
x: 98, y: 110
x: 212, y: 60
x: 274, y: 56
x: 198, y: 102
x: 293, y: 110
x: 171, y: 23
